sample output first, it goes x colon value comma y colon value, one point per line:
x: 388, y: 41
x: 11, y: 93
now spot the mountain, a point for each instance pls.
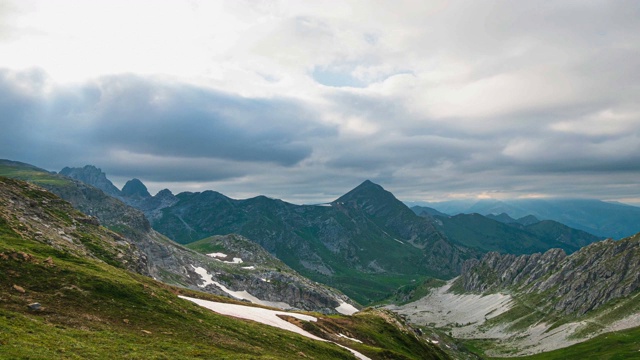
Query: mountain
x: 134, y: 188
x: 93, y: 176
x: 597, y: 217
x: 424, y: 210
x: 485, y: 234
x: 366, y: 243
x: 134, y: 192
x: 69, y: 288
x: 174, y: 264
x: 505, y: 218
x: 575, y: 284
x: 527, y: 304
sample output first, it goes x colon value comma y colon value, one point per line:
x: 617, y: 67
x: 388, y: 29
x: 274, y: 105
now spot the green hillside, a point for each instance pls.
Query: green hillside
x: 92, y: 307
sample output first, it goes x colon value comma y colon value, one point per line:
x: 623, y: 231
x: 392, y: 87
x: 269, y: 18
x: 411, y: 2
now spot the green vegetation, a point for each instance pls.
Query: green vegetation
x: 380, y: 334
x: 415, y: 291
x: 93, y: 309
x: 614, y: 346
x: 25, y: 172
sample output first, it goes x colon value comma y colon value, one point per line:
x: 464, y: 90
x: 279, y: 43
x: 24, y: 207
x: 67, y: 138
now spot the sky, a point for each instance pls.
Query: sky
x: 304, y: 100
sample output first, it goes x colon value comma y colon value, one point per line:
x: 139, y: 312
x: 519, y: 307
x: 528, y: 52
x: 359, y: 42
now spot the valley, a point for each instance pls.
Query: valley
x: 465, y: 286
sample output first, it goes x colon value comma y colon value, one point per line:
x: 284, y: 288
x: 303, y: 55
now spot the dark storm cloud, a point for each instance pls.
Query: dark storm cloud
x: 180, y: 120
x: 156, y: 123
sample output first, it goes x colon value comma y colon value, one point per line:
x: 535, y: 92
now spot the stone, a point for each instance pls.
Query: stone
x: 34, y: 306
x: 19, y: 289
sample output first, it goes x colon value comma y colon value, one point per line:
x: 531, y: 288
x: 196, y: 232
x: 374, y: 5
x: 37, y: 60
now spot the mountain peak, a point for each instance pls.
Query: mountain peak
x: 366, y: 190
x: 372, y: 198
x: 93, y: 176
x: 135, y: 188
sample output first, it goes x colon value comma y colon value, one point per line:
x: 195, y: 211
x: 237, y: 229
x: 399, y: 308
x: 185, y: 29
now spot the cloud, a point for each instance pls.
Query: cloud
x: 304, y: 100
x: 158, y: 125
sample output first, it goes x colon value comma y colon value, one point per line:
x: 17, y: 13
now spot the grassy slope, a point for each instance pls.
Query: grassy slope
x: 91, y: 309
x: 617, y: 345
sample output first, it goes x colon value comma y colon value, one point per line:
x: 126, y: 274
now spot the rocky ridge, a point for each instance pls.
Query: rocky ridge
x: 575, y: 284
x: 175, y: 264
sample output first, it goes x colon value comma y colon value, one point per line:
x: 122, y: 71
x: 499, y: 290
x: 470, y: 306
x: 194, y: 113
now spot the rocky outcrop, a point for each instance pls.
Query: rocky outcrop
x: 93, y: 176
x: 575, y: 284
x: 134, y: 188
x: 41, y: 216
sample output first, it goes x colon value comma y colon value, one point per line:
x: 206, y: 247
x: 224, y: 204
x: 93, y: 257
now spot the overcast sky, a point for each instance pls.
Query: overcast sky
x: 303, y: 100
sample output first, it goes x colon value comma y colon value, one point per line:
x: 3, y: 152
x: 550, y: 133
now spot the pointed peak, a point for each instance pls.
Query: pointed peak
x: 368, y: 184
x: 135, y: 187
x: 367, y: 192
x: 91, y: 175
x: 164, y: 193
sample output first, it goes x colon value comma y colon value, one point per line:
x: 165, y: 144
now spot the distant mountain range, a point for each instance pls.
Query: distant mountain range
x: 366, y: 243
x: 172, y: 263
x: 614, y: 220
x: 530, y: 296
x: 504, y: 234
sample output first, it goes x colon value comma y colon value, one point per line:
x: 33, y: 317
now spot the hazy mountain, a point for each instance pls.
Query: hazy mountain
x: 486, y: 234
x: 134, y: 192
x: 93, y: 176
x: 505, y: 218
x: 597, y: 217
x: 424, y: 210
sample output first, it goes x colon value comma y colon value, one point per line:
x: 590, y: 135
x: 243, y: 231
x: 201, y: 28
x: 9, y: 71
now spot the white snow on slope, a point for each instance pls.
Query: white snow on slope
x: 350, y: 338
x: 346, y: 309
x: 249, y: 267
x: 241, y: 295
x: 443, y: 308
x: 217, y: 255
x: 220, y: 255
x: 265, y: 316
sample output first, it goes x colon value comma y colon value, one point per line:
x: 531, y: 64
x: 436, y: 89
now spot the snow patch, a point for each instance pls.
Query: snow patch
x: 350, y: 338
x: 240, y: 295
x: 234, y: 261
x: 249, y: 267
x: 204, y: 275
x: 346, y: 309
x: 398, y: 241
x: 217, y: 255
x: 265, y: 316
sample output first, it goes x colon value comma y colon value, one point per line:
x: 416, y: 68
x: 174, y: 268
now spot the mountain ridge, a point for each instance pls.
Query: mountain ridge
x: 168, y: 261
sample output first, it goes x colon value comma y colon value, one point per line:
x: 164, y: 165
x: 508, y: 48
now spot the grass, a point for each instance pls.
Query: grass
x: 91, y: 309
x: 612, y: 346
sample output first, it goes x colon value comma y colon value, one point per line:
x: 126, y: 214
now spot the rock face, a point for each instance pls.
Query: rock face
x: 45, y: 218
x: 93, y: 176
x: 575, y: 284
x: 134, y: 193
